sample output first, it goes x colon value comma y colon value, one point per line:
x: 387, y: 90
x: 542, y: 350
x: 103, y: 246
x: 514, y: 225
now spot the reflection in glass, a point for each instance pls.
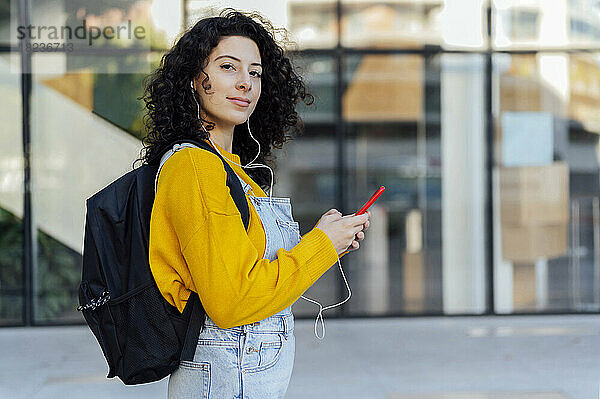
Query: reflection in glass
x: 383, y: 88
x: 567, y: 23
x: 58, y: 276
x: 318, y: 72
x: 93, y: 25
x: 306, y: 169
x: 8, y: 20
x: 410, y: 127
x: 390, y: 142
x: 391, y: 24
x: 306, y: 173
x: 583, y: 18
x: 61, y: 63
x: 314, y: 25
x: 11, y: 195
x: 83, y: 26
x: 414, y: 24
x: 547, y: 186
x: 399, y: 268
x: 311, y: 24
x: 112, y: 96
x: 11, y: 267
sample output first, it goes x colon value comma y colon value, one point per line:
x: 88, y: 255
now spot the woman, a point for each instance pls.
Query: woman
x: 220, y: 73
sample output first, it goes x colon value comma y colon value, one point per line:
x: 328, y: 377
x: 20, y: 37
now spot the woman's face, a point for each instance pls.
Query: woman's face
x: 234, y: 71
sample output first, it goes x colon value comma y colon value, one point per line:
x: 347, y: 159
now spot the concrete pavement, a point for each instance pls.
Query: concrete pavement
x: 512, y: 357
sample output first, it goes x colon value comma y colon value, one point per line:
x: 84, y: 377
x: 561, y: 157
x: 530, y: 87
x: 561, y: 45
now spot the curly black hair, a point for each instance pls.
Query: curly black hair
x: 172, y: 112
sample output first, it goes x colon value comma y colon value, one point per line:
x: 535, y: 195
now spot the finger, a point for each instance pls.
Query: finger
x: 333, y: 213
x: 354, y: 221
x: 357, y: 229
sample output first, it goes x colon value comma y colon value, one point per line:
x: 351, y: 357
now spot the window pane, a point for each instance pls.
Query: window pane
x: 11, y: 192
x: 567, y: 24
x: 383, y: 87
x: 319, y: 73
x: 8, y: 22
x: 464, y: 24
x: 547, y: 186
x: 312, y: 25
x: 104, y: 85
x: 583, y: 18
x: 404, y: 118
x: 414, y: 24
x: 92, y: 26
x: 306, y: 173
x: 390, y: 24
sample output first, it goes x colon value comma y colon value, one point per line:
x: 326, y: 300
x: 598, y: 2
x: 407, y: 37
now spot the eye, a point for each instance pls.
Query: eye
x: 226, y: 65
x: 257, y: 74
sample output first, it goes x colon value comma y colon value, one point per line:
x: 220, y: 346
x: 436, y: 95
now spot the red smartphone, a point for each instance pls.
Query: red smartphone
x: 370, y: 201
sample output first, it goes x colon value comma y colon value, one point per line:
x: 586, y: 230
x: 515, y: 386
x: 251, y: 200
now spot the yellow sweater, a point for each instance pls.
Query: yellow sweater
x: 198, y: 243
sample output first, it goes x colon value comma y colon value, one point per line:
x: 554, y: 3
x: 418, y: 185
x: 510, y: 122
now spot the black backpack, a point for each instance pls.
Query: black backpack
x: 143, y: 337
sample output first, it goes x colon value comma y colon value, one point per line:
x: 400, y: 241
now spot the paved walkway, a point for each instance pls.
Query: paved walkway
x: 543, y: 357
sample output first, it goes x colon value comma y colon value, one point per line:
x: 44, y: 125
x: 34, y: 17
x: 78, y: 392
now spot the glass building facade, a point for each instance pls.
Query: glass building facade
x: 481, y: 118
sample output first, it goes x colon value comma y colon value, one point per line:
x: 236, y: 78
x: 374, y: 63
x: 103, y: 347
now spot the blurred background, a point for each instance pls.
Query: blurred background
x: 480, y: 118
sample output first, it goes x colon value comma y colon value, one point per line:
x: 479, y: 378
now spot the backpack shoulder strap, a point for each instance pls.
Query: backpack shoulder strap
x: 233, y: 182
x: 176, y: 147
x: 193, y: 332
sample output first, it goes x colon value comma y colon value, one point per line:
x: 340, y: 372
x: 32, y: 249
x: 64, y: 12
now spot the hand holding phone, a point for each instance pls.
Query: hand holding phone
x: 337, y: 230
x: 366, y: 206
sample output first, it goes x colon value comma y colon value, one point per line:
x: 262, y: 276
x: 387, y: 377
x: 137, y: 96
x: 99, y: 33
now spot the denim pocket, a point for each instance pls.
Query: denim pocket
x: 269, y: 351
x: 191, y: 378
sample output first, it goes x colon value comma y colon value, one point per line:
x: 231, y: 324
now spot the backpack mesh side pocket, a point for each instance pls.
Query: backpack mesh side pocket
x: 141, y: 319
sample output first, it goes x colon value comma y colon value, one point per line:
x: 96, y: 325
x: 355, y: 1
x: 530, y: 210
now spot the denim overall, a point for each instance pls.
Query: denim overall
x: 252, y: 361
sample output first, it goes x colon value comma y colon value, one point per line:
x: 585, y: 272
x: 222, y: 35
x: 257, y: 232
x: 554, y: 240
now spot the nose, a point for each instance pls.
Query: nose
x: 243, y: 83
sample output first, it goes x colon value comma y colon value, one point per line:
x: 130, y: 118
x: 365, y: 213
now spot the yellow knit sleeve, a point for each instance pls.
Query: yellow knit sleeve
x: 236, y: 286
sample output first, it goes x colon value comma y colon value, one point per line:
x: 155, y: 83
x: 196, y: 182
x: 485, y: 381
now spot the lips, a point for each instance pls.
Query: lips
x: 242, y: 102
